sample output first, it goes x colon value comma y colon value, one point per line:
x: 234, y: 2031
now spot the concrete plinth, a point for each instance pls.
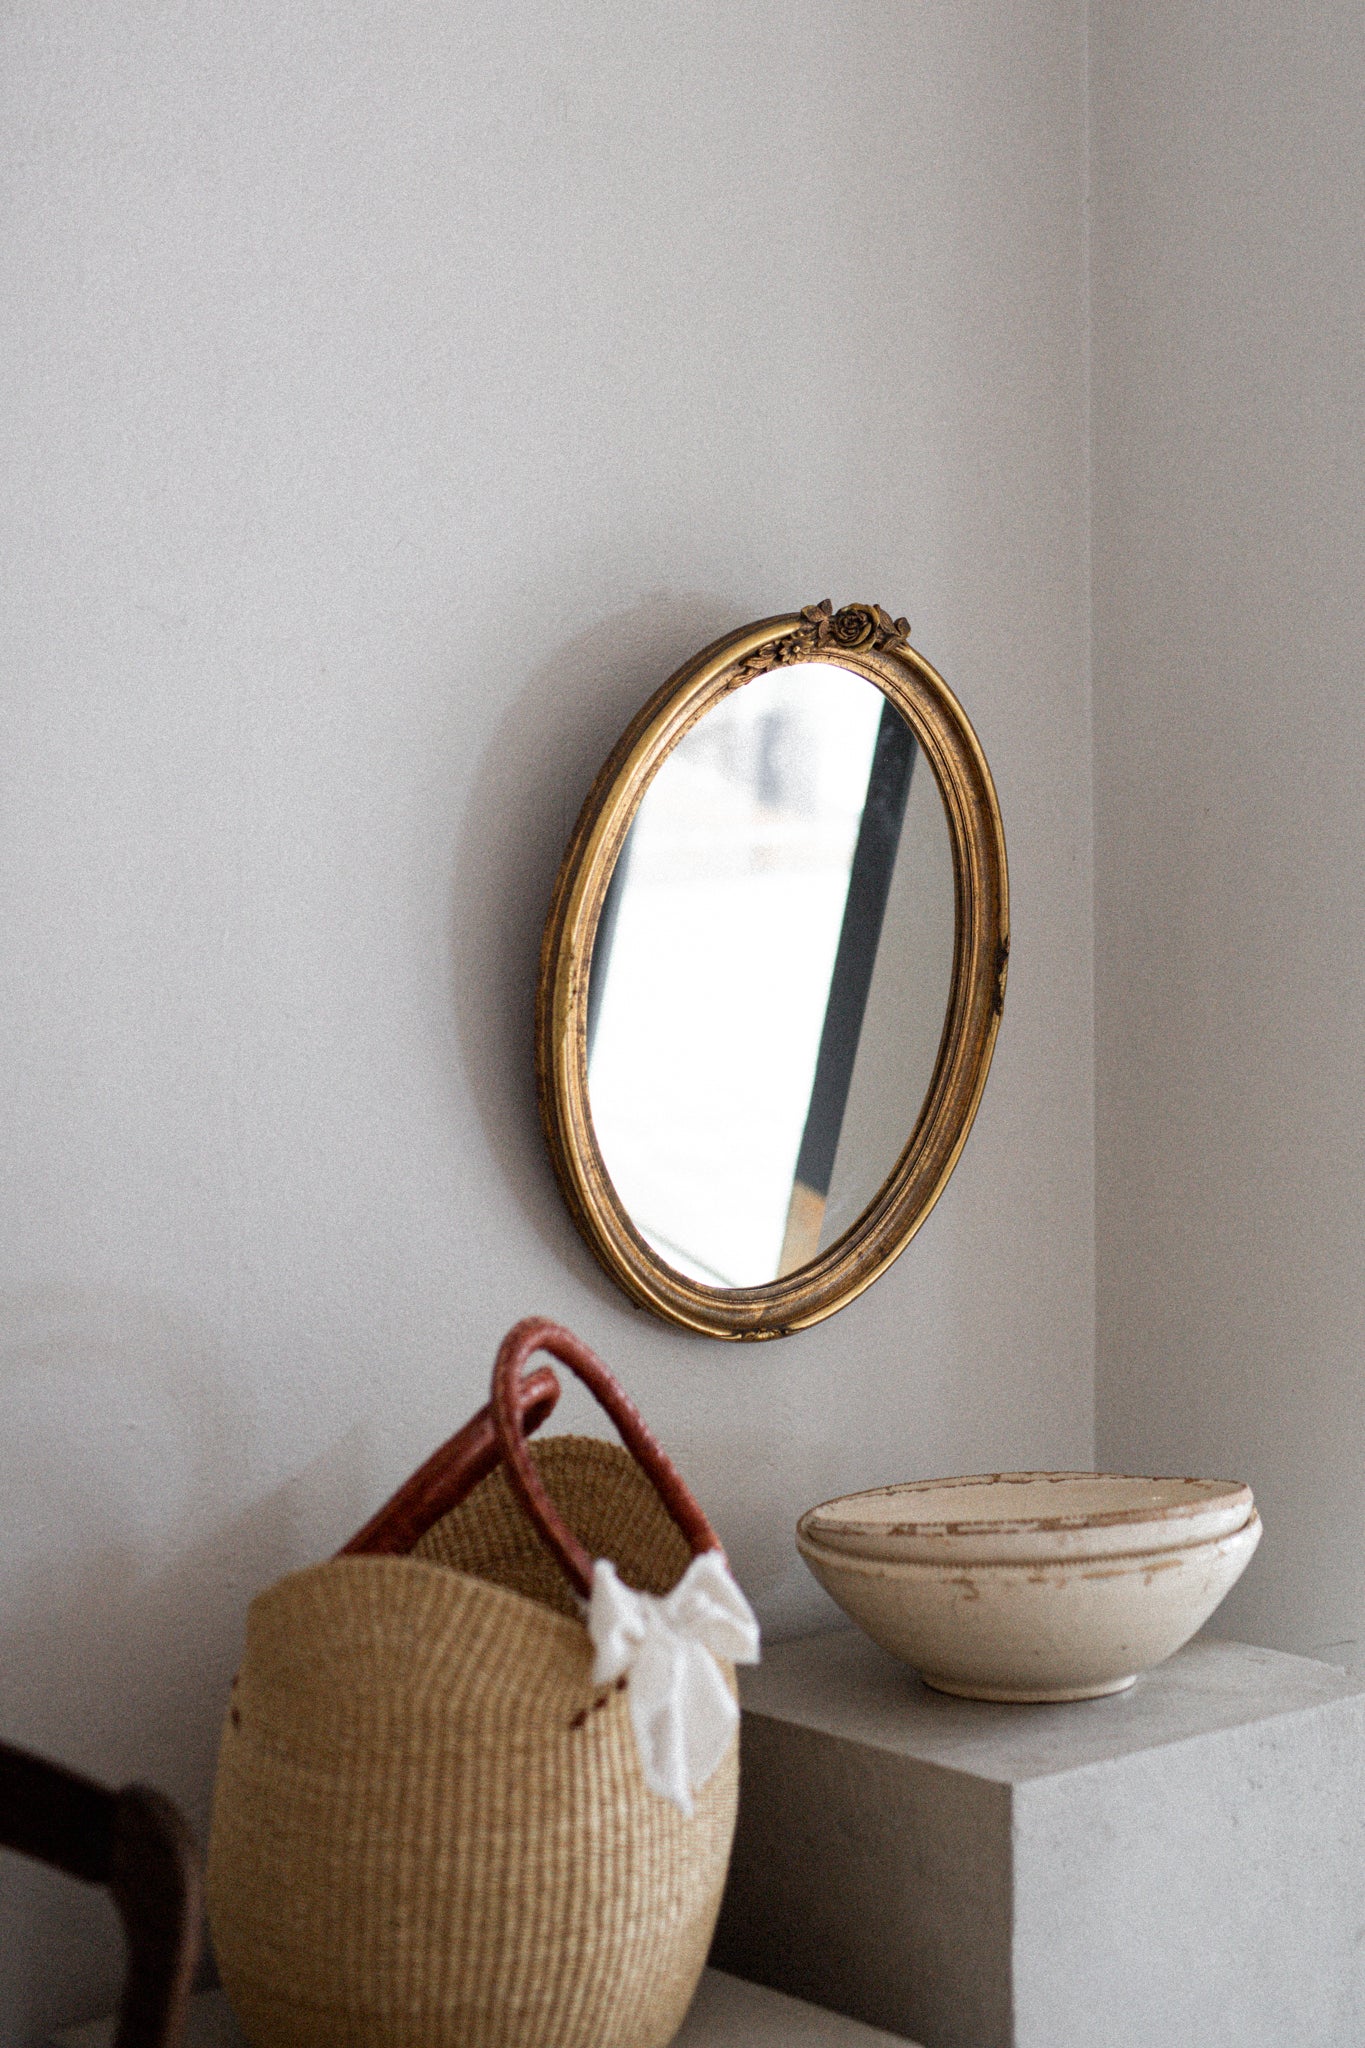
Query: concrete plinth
x: 725, y: 2014
x: 1179, y: 1866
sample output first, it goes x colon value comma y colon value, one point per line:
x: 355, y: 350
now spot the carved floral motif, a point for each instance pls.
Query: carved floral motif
x: 855, y: 629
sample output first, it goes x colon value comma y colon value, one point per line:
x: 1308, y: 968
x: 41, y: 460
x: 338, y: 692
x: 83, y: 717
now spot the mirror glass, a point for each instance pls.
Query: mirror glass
x: 771, y: 975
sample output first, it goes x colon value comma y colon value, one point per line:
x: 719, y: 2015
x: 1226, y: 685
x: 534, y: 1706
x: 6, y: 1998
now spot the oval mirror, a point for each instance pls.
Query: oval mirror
x: 773, y: 972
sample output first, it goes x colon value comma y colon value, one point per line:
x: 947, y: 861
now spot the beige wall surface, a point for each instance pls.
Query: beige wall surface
x: 392, y: 397
x: 1228, y: 269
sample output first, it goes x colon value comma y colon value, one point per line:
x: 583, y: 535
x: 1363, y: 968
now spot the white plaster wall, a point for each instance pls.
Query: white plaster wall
x: 392, y: 396
x: 1229, y: 493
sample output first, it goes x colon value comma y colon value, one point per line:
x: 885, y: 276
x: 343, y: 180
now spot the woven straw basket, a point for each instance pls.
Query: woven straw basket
x: 429, y: 1826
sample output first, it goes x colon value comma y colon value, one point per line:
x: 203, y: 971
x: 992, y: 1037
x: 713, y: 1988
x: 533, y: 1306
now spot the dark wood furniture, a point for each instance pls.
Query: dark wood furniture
x: 137, y: 1844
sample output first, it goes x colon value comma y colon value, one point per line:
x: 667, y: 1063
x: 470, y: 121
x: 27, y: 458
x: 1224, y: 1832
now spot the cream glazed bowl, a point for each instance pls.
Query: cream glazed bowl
x: 1032, y: 1585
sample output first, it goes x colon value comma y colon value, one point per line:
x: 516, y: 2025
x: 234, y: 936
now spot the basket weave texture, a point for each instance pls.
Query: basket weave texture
x: 430, y: 1829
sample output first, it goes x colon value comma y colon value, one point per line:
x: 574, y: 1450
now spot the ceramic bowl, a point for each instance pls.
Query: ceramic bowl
x: 1058, y: 1619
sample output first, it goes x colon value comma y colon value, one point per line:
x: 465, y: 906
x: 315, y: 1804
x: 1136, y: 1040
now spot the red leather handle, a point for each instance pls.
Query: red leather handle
x: 449, y: 1475
x: 508, y: 1408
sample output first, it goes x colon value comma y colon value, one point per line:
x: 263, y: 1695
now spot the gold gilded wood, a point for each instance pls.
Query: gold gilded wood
x: 867, y: 641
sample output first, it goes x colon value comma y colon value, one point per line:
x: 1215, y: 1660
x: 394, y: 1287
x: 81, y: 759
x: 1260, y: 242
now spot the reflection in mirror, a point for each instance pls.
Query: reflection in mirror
x: 771, y: 974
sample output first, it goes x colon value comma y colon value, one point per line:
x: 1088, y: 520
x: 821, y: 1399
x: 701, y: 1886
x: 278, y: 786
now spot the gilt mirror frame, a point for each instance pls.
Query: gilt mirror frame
x: 863, y: 639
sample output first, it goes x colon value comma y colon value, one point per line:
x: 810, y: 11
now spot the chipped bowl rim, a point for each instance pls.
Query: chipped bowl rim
x: 1196, y: 1511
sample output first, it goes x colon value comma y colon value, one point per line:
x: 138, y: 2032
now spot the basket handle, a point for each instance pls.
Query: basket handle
x: 449, y: 1475
x: 509, y: 1411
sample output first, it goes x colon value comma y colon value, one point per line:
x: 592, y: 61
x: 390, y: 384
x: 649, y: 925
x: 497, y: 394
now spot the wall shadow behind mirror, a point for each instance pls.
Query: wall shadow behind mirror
x: 770, y: 976
x: 772, y: 973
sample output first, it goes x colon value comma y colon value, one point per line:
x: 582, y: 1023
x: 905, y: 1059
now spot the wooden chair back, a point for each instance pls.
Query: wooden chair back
x: 137, y: 1844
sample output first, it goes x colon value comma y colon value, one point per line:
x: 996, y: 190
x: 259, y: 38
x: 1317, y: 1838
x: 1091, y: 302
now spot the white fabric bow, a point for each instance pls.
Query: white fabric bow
x: 681, y: 1709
